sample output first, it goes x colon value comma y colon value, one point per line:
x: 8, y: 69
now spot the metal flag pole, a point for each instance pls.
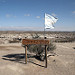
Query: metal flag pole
x: 44, y: 33
x: 45, y: 45
x: 44, y: 28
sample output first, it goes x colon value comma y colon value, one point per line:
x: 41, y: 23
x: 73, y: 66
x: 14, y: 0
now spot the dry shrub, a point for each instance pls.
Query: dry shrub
x: 66, y: 39
x: 39, y: 50
x: 14, y: 41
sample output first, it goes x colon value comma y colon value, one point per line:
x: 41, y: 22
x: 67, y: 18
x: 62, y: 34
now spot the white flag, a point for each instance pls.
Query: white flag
x: 49, y: 21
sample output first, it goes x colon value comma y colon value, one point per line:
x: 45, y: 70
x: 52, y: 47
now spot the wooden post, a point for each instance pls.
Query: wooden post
x: 26, y: 54
x: 30, y: 42
x: 45, y: 56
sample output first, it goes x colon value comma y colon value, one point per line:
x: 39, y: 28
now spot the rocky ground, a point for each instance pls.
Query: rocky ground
x: 12, y: 61
x: 16, y: 36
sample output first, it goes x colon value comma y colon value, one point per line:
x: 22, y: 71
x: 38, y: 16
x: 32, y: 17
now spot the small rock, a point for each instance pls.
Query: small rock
x: 53, y: 60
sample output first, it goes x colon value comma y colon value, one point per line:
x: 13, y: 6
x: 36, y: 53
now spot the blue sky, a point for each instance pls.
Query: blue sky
x: 29, y: 14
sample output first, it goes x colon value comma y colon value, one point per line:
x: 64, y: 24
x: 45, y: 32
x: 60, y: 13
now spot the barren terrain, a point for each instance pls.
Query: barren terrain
x: 12, y: 54
x: 12, y: 61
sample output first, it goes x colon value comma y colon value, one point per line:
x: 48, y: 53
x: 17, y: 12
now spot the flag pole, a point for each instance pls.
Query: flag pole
x: 44, y: 28
x: 45, y: 45
x: 44, y: 32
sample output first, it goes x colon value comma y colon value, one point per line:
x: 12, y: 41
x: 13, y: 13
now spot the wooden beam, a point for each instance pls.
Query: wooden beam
x: 45, y: 56
x: 31, y: 41
x: 26, y: 54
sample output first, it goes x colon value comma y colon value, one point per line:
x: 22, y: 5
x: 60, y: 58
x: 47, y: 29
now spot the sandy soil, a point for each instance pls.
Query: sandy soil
x: 12, y: 61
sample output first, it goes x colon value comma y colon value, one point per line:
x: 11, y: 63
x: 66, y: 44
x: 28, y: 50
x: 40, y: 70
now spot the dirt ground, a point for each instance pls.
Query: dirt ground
x: 12, y: 61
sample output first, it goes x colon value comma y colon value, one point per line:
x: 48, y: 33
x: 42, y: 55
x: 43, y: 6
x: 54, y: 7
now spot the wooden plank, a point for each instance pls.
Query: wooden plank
x: 30, y: 41
x: 26, y: 54
x: 45, y: 56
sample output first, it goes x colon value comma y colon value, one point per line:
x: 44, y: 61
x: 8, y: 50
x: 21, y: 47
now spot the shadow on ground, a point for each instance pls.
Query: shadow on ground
x: 73, y: 47
x: 20, y: 58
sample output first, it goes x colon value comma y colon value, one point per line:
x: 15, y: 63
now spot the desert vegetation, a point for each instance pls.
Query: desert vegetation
x: 61, y: 53
x: 17, y: 36
x: 39, y: 50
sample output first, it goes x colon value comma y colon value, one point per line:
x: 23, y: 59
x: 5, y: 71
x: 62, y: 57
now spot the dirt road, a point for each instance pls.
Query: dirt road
x: 12, y: 61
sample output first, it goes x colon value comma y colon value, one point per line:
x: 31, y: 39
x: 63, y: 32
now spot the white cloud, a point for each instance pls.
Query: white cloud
x: 73, y: 12
x: 8, y: 15
x: 37, y: 16
x: 54, y: 14
x: 21, y: 28
x: 60, y: 28
x: 26, y: 14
